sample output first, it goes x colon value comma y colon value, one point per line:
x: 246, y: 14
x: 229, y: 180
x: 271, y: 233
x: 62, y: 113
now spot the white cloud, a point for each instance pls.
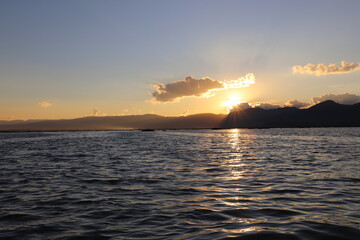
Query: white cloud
x: 322, y: 69
x: 297, y: 104
x: 345, y: 98
x: 192, y: 87
x: 44, y: 104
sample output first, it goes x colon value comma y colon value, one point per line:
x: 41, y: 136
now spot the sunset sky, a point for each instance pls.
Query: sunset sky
x: 75, y: 58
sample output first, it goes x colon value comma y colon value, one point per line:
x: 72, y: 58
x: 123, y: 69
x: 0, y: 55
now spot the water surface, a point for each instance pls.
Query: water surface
x: 202, y: 184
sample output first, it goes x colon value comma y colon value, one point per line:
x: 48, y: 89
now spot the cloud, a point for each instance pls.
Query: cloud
x: 240, y: 106
x: 266, y: 106
x: 44, y: 104
x: 345, y: 98
x: 322, y: 69
x: 192, y: 87
x: 297, y: 104
x: 245, y: 105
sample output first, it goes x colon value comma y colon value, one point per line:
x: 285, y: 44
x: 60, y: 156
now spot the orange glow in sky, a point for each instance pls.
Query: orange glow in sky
x: 231, y: 102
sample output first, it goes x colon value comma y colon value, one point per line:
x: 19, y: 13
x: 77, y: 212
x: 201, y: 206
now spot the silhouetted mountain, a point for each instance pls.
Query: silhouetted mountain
x: 327, y: 105
x: 325, y: 114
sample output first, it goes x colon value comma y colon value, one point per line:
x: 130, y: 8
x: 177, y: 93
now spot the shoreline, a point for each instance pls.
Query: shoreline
x: 164, y: 129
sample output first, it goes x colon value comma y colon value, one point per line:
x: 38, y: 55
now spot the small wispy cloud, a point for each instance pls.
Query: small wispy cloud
x: 192, y: 87
x: 322, y: 69
x: 44, y: 104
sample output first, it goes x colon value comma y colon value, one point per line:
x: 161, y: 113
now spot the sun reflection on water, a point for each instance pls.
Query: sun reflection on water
x: 243, y: 230
x: 235, y: 162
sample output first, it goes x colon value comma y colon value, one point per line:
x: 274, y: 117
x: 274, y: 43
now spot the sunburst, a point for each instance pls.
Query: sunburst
x: 231, y: 102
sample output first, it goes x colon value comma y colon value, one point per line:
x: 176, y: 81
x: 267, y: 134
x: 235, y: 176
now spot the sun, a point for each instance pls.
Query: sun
x: 231, y: 102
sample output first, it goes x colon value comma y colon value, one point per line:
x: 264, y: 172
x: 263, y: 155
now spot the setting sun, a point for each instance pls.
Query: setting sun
x: 231, y: 102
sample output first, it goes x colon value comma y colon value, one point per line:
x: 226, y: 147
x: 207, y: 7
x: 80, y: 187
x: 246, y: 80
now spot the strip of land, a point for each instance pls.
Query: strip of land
x: 325, y: 114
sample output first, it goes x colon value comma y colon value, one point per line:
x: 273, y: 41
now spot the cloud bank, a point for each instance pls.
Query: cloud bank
x: 192, y: 87
x: 240, y: 106
x: 297, y: 104
x: 44, y: 104
x: 322, y: 69
x: 266, y: 105
x: 345, y: 98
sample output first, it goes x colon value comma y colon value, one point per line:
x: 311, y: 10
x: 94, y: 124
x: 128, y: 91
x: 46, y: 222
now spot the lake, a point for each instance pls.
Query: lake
x: 181, y: 184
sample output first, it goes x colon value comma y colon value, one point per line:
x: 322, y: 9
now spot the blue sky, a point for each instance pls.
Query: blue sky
x: 106, y: 55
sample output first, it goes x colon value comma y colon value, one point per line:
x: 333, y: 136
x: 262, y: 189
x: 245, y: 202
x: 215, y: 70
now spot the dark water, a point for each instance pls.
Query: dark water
x: 205, y: 184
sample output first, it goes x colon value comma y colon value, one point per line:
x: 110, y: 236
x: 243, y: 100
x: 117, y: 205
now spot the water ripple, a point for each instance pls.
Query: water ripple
x: 205, y: 184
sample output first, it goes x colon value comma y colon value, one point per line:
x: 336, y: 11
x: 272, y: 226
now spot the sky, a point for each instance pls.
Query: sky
x: 75, y: 58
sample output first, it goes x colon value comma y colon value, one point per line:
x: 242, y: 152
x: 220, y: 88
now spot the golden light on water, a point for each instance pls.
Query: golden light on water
x: 235, y: 163
x: 242, y: 230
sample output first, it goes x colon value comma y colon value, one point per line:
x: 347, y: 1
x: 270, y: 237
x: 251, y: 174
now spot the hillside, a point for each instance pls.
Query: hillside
x: 147, y: 121
x: 325, y: 114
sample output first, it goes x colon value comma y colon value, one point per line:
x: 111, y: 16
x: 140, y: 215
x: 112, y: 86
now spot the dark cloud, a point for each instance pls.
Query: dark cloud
x: 192, y: 87
x: 188, y: 87
x: 322, y: 69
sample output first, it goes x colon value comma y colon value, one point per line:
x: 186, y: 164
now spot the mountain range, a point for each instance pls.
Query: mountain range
x: 325, y: 114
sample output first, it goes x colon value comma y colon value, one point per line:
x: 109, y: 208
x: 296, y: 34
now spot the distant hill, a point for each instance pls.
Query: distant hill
x: 6, y: 122
x: 325, y: 114
x: 147, y: 121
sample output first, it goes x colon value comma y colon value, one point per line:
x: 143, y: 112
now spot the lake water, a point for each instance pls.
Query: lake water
x: 200, y: 184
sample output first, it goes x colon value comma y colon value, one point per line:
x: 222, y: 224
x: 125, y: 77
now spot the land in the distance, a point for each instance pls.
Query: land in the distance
x: 325, y: 114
